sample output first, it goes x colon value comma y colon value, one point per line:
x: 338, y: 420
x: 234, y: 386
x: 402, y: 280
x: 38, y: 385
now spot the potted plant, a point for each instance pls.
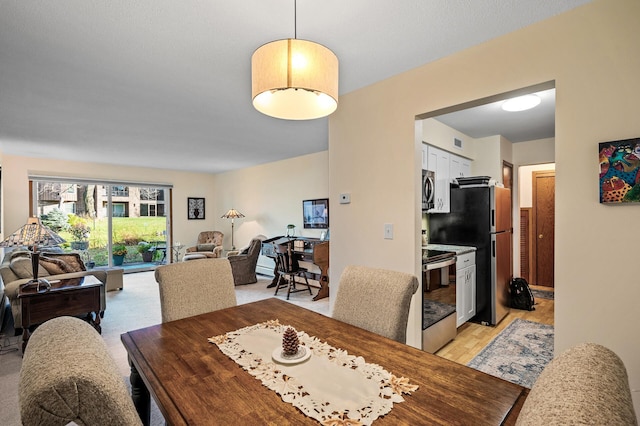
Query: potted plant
x: 146, y: 250
x: 80, y: 232
x: 119, y: 250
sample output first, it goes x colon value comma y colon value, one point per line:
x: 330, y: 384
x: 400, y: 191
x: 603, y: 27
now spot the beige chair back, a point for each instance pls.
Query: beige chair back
x: 210, y: 237
x: 375, y: 299
x: 195, y: 287
x: 67, y: 375
x: 586, y: 384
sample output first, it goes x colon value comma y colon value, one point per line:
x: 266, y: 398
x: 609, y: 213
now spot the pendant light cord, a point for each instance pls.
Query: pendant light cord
x: 295, y: 19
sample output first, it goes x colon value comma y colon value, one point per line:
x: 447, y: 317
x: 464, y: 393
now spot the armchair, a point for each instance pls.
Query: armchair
x: 243, y: 264
x: 207, y: 243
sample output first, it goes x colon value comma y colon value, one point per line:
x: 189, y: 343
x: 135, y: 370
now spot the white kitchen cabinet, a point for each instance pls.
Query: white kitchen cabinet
x: 425, y: 156
x: 465, y: 287
x: 438, y: 161
x: 459, y: 166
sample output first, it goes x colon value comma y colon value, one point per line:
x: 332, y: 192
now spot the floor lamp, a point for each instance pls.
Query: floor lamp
x: 232, y: 214
x: 32, y: 235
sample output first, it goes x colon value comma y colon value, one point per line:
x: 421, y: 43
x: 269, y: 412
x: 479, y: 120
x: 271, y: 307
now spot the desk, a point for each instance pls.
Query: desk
x: 194, y: 383
x: 313, y: 251
x: 76, y: 296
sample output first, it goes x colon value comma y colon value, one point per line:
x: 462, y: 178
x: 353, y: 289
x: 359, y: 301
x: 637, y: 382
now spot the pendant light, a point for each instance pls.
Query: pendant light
x: 294, y: 79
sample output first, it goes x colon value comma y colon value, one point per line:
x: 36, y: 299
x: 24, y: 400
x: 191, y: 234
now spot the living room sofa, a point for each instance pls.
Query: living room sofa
x: 16, y: 270
x: 585, y: 385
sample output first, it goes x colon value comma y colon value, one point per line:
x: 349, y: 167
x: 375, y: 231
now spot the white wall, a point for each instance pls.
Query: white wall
x: 270, y: 196
x: 591, y: 53
x: 15, y: 188
x: 438, y: 134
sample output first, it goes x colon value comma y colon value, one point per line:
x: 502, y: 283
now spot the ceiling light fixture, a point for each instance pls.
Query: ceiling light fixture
x: 294, y: 79
x: 521, y: 103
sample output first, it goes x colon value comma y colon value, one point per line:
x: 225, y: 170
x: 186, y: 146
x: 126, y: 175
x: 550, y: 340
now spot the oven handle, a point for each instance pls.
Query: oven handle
x: 440, y: 264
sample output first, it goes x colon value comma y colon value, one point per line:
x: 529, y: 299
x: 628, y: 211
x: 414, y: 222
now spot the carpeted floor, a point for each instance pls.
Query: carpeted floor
x: 518, y: 354
x: 137, y: 306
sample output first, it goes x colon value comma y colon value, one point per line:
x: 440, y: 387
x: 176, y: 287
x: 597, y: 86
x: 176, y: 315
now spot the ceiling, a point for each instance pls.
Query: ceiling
x: 167, y: 84
x: 521, y: 126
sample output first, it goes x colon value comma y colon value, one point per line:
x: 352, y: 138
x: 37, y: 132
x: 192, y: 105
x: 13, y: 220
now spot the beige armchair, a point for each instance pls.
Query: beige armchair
x: 207, y: 244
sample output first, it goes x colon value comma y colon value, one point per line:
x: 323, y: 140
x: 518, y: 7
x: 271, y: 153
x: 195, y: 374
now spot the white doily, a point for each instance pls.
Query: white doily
x: 332, y: 386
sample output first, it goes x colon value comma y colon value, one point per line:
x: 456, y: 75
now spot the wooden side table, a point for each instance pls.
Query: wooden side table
x: 77, y: 296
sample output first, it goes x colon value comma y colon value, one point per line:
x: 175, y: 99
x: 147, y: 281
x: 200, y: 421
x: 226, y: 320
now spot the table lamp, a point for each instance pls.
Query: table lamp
x: 232, y: 214
x: 32, y: 235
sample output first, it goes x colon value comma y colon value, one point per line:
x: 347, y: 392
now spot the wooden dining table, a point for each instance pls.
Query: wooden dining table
x: 194, y: 383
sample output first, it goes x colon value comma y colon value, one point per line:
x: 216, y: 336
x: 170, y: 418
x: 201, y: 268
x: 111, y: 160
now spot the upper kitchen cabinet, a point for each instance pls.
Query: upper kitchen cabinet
x: 459, y: 166
x: 438, y: 161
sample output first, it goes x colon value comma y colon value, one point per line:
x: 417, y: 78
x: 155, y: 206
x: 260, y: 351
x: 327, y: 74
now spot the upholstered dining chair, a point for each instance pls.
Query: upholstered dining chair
x: 289, y: 268
x: 68, y: 376
x: 375, y: 299
x: 195, y: 287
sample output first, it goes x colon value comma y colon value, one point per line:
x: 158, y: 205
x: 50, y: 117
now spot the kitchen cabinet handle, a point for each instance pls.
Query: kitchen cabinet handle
x: 540, y: 236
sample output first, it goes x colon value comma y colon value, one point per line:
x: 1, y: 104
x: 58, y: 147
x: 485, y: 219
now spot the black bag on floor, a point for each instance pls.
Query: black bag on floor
x: 521, y: 296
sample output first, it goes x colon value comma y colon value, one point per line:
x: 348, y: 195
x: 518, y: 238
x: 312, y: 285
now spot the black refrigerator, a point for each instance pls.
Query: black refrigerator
x: 481, y: 217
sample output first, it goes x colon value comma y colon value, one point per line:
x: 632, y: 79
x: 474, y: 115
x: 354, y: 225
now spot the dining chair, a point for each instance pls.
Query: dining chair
x: 375, y: 299
x: 288, y: 266
x: 68, y: 377
x: 195, y: 287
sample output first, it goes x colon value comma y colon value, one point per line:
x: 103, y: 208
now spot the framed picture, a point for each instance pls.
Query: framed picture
x: 195, y: 208
x: 315, y: 213
x: 620, y: 171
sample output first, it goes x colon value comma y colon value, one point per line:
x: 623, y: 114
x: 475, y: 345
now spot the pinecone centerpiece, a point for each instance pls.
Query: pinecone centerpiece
x: 290, y: 342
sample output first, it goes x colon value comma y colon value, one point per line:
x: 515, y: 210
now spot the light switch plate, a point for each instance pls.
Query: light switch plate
x: 388, y: 231
x: 345, y: 198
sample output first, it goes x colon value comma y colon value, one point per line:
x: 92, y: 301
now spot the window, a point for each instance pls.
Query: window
x: 115, y: 213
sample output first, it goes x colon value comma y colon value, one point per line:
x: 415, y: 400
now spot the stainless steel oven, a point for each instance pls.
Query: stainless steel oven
x: 428, y: 189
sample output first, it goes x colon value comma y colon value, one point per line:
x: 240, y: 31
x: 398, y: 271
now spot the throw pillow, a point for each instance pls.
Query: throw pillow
x: 54, y: 266
x: 21, y: 266
x: 73, y: 260
x: 206, y: 247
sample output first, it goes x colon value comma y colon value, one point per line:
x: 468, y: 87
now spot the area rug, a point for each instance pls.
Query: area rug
x: 433, y: 312
x: 518, y: 354
x: 543, y: 294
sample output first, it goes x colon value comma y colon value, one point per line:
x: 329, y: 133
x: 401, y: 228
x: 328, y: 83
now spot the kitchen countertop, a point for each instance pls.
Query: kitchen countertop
x: 445, y: 247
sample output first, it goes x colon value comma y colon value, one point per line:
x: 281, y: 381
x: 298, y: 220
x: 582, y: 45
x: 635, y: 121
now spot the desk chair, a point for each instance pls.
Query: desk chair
x: 195, y: 287
x: 287, y: 266
x: 375, y: 299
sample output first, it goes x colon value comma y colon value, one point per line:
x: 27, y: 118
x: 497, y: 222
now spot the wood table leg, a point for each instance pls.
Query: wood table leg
x: 25, y: 337
x: 324, y: 286
x: 276, y: 277
x: 140, y: 396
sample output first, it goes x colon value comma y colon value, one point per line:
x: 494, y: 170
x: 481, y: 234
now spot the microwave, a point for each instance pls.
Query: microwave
x: 428, y: 189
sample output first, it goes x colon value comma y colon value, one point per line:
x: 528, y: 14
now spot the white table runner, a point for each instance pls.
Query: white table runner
x: 332, y: 386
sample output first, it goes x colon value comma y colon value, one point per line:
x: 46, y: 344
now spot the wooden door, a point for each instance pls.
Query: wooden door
x: 543, y: 208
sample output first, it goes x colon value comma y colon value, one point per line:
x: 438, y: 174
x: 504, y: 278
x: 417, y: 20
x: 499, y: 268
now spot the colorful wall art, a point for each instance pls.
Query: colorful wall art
x: 620, y: 171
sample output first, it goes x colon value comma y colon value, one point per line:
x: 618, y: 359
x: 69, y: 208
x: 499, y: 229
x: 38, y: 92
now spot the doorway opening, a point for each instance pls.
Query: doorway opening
x: 492, y: 151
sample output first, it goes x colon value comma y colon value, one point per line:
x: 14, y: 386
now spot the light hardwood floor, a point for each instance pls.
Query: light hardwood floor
x: 472, y: 337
